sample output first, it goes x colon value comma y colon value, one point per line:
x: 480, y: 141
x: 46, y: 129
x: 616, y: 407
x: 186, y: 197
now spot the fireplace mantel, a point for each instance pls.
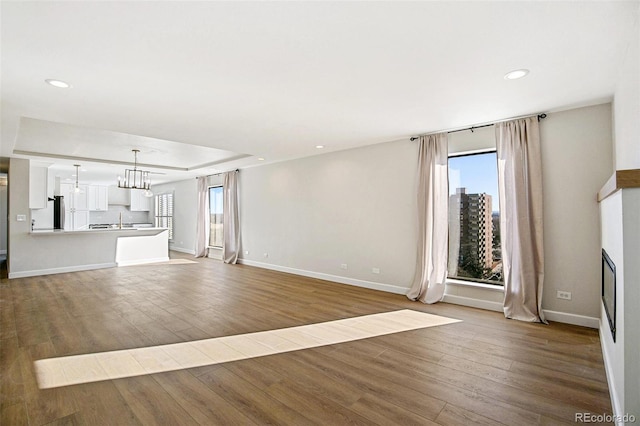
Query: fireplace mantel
x: 621, y: 179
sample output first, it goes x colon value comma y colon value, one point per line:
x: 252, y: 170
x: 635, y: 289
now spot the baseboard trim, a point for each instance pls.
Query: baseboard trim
x: 574, y: 319
x: 328, y: 277
x: 473, y: 303
x: 608, y: 368
x: 182, y: 250
x: 63, y: 270
x: 563, y: 317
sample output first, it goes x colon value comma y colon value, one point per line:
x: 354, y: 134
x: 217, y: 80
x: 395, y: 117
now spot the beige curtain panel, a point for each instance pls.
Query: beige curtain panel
x: 231, y: 245
x: 433, y: 202
x: 520, y: 189
x: 202, y: 218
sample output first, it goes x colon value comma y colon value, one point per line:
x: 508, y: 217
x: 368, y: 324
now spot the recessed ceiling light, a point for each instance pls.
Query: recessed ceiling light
x: 319, y: 146
x: 58, y: 83
x: 516, y: 74
x: 260, y: 159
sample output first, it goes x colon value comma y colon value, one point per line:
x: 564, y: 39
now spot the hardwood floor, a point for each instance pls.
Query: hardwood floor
x: 484, y: 370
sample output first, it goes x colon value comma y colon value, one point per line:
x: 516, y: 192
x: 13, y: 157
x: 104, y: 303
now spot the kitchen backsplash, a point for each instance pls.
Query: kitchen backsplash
x: 113, y: 216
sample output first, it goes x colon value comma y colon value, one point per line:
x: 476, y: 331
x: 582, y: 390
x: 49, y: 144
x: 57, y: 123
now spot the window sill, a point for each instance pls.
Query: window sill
x: 452, y: 281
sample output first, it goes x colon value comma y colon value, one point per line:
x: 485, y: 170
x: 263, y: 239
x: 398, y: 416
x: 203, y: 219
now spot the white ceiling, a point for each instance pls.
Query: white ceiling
x: 211, y: 86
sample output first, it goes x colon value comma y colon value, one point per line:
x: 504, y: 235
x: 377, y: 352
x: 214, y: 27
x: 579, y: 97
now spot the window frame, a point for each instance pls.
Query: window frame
x: 470, y: 281
x: 209, y: 188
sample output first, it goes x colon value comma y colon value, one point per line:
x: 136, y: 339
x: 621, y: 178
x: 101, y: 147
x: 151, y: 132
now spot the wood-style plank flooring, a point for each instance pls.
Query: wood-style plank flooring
x: 484, y: 370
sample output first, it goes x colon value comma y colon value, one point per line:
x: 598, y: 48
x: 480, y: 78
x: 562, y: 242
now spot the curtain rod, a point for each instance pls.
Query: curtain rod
x: 472, y: 128
x: 217, y: 174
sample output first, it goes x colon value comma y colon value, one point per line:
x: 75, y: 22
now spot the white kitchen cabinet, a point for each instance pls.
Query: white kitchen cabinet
x: 98, y: 198
x: 38, y: 187
x: 76, y: 206
x: 139, y: 203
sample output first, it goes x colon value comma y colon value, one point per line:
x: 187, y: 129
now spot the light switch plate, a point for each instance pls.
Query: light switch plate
x: 21, y: 218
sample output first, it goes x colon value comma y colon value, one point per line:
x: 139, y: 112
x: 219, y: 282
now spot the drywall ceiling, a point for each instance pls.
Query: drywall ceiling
x: 237, y: 81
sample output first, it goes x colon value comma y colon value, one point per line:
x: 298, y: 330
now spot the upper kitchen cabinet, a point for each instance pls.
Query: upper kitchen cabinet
x: 139, y: 202
x: 98, y: 198
x: 38, y: 197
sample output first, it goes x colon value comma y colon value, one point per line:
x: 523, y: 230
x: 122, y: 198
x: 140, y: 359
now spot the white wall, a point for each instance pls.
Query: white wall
x: 621, y: 239
x: 185, y: 204
x: 612, y: 242
x: 357, y: 207
x: 576, y: 160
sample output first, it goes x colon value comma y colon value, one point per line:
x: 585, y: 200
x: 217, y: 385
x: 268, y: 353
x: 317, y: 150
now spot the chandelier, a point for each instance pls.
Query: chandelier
x: 135, y: 178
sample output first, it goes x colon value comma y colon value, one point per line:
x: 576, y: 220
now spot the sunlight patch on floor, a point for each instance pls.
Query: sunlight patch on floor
x: 76, y: 369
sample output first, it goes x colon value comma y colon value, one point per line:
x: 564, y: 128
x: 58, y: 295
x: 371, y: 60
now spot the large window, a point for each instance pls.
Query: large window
x: 215, y: 217
x: 164, y: 212
x: 475, y: 253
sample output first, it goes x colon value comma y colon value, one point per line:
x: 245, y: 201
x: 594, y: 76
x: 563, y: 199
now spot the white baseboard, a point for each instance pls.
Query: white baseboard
x: 563, y: 317
x: 182, y: 250
x: 574, y: 319
x: 63, y: 270
x: 608, y: 368
x: 328, y: 277
x: 143, y: 262
x: 473, y: 303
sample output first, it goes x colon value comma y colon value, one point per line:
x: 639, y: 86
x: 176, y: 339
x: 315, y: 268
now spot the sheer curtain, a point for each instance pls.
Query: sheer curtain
x: 520, y: 189
x: 231, y: 246
x: 433, y: 202
x: 202, y: 218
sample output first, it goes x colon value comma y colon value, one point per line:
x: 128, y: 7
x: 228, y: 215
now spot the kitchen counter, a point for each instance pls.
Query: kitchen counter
x: 143, y: 246
x: 70, y: 251
x: 140, y: 231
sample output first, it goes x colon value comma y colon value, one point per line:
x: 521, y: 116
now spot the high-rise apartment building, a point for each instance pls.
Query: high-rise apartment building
x: 470, y: 234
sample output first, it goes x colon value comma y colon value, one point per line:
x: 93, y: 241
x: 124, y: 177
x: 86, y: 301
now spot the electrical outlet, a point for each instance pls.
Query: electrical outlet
x: 266, y: 254
x: 375, y: 270
x: 246, y: 252
x: 21, y: 218
x: 566, y: 295
x: 343, y: 266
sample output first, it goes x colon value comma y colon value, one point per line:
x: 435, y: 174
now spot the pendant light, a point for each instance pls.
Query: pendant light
x: 76, y: 189
x: 147, y: 192
x: 135, y: 178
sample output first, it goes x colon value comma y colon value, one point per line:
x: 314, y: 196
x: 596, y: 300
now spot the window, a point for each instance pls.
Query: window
x: 215, y: 217
x: 475, y: 253
x: 164, y: 212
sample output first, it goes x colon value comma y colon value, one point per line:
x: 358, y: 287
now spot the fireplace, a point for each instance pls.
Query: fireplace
x: 609, y: 291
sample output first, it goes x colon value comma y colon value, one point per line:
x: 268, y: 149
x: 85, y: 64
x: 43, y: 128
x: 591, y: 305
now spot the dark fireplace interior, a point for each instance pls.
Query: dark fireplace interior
x: 609, y: 291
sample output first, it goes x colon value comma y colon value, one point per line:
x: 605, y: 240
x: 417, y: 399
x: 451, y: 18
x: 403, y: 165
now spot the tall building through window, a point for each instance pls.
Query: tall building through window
x: 216, y: 223
x: 475, y: 253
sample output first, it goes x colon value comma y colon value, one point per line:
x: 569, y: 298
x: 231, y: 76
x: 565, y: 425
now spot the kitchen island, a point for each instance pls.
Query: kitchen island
x: 70, y: 251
